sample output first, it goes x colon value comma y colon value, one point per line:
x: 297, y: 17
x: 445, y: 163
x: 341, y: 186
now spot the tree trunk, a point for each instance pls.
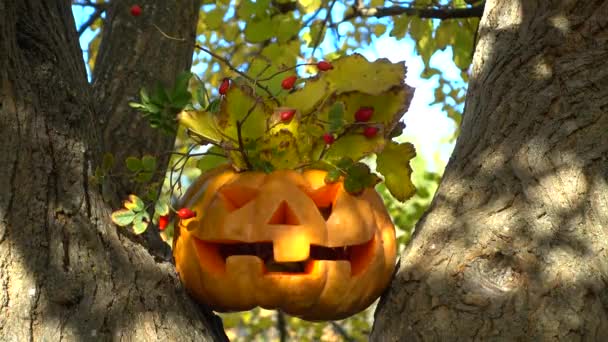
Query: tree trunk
x: 65, y: 271
x: 515, y: 245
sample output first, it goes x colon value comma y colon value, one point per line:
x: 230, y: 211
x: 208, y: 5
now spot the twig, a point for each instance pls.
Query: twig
x: 427, y: 13
x: 284, y: 70
x: 200, y: 154
x: 322, y: 31
x: 340, y: 330
x: 240, y: 73
x: 239, y: 126
x: 168, y: 36
x: 96, y: 14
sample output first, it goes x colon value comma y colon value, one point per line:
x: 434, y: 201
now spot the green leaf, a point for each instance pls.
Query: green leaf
x: 123, y: 217
x: 259, y: 29
x: 148, y: 163
x: 139, y: 224
x: 445, y: 33
x: 215, y: 18
x: 240, y: 105
x: 336, y: 117
x: 379, y: 29
x: 108, y: 161
x: 358, y: 177
x: 333, y: 176
x: 134, y: 203
x: 210, y: 162
x: 317, y: 33
x: 354, y: 147
x: 161, y: 208
x: 133, y: 164
x: 344, y: 163
x: 394, y: 165
x: 400, y: 26
x: 143, y: 94
x: 286, y: 27
x: 144, y: 177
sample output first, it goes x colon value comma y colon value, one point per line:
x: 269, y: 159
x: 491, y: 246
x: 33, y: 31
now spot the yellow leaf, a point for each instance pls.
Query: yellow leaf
x: 394, y: 165
x: 203, y: 123
x: 355, y: 73
x: 388, y: 106
x: 307, y: 98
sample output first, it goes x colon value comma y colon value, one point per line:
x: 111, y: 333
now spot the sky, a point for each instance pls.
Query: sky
x: 426, y: 126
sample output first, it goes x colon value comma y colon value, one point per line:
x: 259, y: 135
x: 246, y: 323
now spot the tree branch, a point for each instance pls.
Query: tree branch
x: 91, y: 20
x: 340, y: 331
x: 428, y: 13
x: 282, y: 326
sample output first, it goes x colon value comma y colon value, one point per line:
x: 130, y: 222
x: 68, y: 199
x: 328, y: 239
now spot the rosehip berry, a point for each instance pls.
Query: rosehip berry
x: 370, y: 131
x: 288, y: 82
x: 163, y: 221
x: 224, y: 86
x: 324, y: 66
x: 136, y: 10
x: 185, y: 213
x: 329, y: 138
x: 363, y: 114
x: 286, y: 115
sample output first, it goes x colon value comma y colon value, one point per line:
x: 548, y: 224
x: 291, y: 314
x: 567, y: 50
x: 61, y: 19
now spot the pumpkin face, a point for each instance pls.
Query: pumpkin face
x: 284, y: 240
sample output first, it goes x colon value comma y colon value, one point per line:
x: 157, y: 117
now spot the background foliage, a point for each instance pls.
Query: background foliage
x: 259, y: 37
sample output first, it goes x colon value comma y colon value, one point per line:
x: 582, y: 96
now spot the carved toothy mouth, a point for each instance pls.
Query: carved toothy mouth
x: 215, y: 254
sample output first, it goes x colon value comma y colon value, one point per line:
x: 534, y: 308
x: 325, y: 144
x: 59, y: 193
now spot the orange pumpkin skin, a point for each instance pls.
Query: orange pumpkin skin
x: 222, y: 255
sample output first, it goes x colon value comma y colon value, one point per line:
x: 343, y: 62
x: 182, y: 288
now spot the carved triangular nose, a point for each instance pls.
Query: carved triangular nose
x: 283, y: 214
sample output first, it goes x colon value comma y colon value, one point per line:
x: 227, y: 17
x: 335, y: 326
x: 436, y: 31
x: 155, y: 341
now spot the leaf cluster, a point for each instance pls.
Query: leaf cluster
x: 246, y: 127
x: 163, y: 103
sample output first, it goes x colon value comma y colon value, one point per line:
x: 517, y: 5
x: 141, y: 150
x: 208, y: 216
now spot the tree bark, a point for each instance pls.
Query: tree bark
x: 65, y: 271
x: 137, y: 52
x: 515, y: 245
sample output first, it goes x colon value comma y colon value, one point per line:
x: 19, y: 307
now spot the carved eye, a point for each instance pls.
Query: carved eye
x: 235, y: 196
x: 324, y: 198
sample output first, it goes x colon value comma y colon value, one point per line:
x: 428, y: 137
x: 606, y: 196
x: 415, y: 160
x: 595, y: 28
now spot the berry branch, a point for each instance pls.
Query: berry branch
x: 240, y: 73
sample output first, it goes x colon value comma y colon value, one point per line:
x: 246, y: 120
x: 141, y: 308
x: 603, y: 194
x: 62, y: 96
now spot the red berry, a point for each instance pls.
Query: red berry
x: 136, y: 10
x: 286, y: 115
x: 185, y: 213
x: 370, y: 131
x: 224, y: 86
x: 329, y: 138
x: 289, y: 82
x: 163, y: 221
x: 363, y: 114
x: 324, y: 66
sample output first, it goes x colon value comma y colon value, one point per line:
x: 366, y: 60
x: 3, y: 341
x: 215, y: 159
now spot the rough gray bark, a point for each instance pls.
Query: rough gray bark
x: 515, y: 245
x: 65, y: 271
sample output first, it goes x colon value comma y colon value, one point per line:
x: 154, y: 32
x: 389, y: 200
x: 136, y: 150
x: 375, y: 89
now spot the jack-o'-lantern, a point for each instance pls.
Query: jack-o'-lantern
x: 284, y: 240
x: 291, y: 221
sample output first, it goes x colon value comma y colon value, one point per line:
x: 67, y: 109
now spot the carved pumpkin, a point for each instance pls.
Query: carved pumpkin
x: 284, y: 240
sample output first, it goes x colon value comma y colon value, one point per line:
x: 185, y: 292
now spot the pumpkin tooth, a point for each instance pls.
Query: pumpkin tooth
x: 291, y: 247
